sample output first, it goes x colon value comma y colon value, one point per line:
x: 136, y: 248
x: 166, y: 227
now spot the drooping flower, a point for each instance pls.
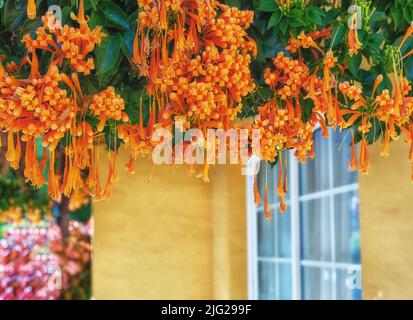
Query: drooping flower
x: 31, y: 9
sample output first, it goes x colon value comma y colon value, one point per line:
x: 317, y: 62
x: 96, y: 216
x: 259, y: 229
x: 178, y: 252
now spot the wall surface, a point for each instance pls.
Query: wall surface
x: 387, y: 225
x: 155, y: 240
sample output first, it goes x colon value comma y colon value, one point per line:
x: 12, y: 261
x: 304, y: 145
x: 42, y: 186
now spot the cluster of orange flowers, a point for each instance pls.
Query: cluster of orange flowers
x: 203, y: 79
x: 67, y: 43
x: 283, y: 128
x: 281, y: 120
x: 394, y: 110
x: 108, y: 105
x: 195, y: 56
x: 52, y: 107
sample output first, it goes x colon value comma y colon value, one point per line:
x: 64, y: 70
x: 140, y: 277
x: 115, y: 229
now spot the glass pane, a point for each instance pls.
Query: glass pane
x: 341, y: 158
x: 283, y: 233
x: 349, y: 284
x: 266, y: 237
x: 266, y: 281
x: 317, y: 283
x: 314, y: 175
x: 285, y: 281
x: 347, y: 226
x: 316, y: 230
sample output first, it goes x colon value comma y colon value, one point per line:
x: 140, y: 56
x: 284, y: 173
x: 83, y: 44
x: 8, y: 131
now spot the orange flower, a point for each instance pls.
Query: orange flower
x: 281, y: 186
x: 108, y: 105
x: 267, y: 209
x: 353, y: 163
x: 364, y: 157
x: 308, y: 42
x: 354, y: 44
x: 257, y: 197
x: 49, y: 106
x: 408, y: 33
x: 31, y: 9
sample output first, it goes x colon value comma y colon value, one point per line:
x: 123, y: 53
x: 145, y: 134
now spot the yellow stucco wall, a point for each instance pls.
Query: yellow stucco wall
x: 387, y: 225
x: 155, y: 238
x: 166, y: 235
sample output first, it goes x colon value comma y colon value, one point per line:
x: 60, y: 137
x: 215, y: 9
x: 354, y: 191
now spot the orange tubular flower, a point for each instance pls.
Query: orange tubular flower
x: 364, y: 156
x: 308, y: 42
x: 15, y: 164
x: 54, y: 188
x: 11, y: 152
x: 31, y: 9
x: 353, y: 163
x: 80, y: 18
x: 408, y: 33
x: 281, y: 186
x: 386, y: 144
x: 257, y: 197
x: 354, y: 44
x: 267, y: 209
x: 410, y: 137
x: 329, y: 63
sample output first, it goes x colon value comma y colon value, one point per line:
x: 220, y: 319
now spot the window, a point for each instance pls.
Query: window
x: 313, y: 250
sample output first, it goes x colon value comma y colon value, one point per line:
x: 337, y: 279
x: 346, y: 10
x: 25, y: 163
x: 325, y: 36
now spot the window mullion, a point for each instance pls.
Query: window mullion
x: 332, y: 219
x: 252, y: 233
x: 295, y: 227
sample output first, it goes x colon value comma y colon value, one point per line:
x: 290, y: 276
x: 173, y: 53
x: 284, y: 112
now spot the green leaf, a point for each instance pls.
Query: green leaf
x: 307, y: 107
x: 267, y: 44
x: 260, y: 22
x: 314, y: 16
x: 88, y: 86
x: 127, y: 43
x: 296, y: 18
x: 377, y: 20
x: 97, y: 19
x: 257, y: 71
x: 110, y: 140
x: 332, y: 15
x: 338, y: 34
x: 234, y: 3
x: 15, y: 14
x: 407, y: 15
x: 354, y: 63
x: 108, y: 57
x: 132, y: 97
x: 284, y: 26
x: 396, y: 14
x: 115, y: 16
x: 66, y: 15
x: 275, y: 19
x: 267, y: 6
x: 93, y: 4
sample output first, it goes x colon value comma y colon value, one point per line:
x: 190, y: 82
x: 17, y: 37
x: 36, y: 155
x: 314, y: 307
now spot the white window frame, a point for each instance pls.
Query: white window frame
x: 294, y: 203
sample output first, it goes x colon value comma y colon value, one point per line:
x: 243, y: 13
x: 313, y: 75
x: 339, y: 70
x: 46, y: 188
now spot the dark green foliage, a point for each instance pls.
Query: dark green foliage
x: 383, y: 23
